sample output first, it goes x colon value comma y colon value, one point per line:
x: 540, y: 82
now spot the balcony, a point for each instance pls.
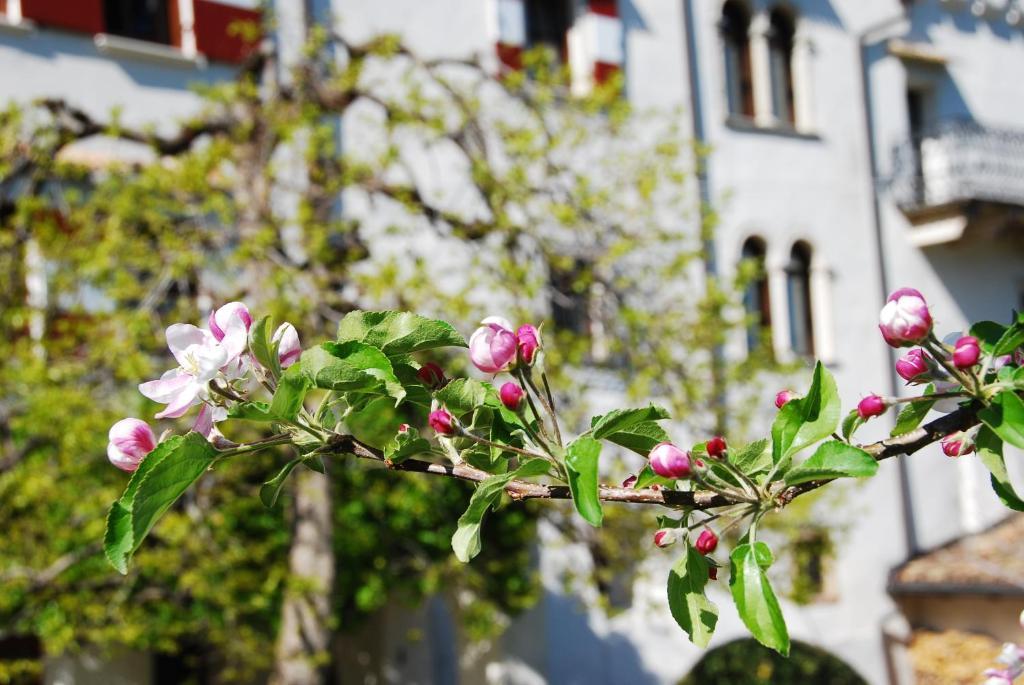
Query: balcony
x: 957, y: 176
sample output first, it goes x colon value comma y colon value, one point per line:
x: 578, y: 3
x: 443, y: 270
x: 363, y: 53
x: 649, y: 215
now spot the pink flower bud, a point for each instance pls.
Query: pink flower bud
x: 668, y: 461
x: 966, y: 352
x: 403, y: 428
x: 511, y: 396
x: 442, y: 422
x: 905, y: 319
x: 712, y: 572
x: 492, y: 347
x: 706, y: 542
x: 872, y: 405
x: 432, y: 376
x: 784, y: 397
x: 957, y: 444
x: 629, y: 482
x: 913, y: 364
x: 528, y: 338
x: 129, y: 441
x: 666, y: 537
x: 288, y: 348
x: 716, y: 447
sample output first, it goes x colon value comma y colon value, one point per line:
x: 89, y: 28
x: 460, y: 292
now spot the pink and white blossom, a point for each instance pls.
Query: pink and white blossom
x: 528, y: 338
x: 200, y: 357
x: 913, y: 365
x: 966, y: 352
x: 288, y: 348
x: 492, y: 347
x: 784, y: 397
x: 129, y: 440
x: 230, y: 325
x: 905, y: 319
x: 668, y: 461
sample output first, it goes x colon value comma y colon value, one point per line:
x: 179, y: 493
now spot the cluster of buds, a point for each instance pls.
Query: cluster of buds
x: 496, y: 347
x: 706, y: 543
x: 218, y: 353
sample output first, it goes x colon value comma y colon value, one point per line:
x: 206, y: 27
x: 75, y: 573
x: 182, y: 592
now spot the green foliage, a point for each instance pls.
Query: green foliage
x: 911, y: 416
x: 466, y: 541
x: 745, y: 662
x: 162, y: 477
x: 581, y: 461
x: 398, y: 333
x: 833, y: 459
x: 1005, y: 416
x: 754, y: 597
x: 805, y: 421
x: 990, y: 452
x: 690, y: 607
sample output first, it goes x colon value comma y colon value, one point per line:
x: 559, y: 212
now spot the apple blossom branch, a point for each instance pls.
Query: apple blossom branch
x: 902, y: 445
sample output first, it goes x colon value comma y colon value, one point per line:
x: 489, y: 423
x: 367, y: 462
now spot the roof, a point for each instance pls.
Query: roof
x: 990, y: 562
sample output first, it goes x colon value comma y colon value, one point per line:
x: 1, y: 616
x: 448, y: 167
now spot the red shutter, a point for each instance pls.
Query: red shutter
x: 213, y: 38
x: 607, y: 14
x: 3, y: 6
x: 76, y: 15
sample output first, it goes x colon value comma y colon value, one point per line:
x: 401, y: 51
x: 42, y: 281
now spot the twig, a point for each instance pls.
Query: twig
x: 702, y: 500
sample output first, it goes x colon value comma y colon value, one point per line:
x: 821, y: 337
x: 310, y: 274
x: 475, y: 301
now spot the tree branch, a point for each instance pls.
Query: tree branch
x: 521, y: 490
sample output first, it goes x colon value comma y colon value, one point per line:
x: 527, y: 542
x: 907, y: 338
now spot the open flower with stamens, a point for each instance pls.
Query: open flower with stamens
x: 200, y: 356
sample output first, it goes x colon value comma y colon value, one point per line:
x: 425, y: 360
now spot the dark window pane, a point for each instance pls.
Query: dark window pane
x: 798, y: 278
x: 547, y: 23
x: 140, y: 19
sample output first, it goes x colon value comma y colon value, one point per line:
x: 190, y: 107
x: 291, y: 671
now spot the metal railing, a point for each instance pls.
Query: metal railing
x: 957, y: 161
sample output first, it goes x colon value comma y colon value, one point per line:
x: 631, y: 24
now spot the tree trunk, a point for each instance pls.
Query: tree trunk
x: 303, y: 643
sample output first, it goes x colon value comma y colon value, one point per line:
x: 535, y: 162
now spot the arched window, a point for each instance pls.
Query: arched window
x: 739, y: 78
x: 798, y: 285
x: 780, y: 48
x: 755, y: 299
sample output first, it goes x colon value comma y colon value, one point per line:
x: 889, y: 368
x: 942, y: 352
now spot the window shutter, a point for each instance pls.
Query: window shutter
x: 80, y: 15
x: 607, y: 39
x: 511, y: 33
x: 212, y: 29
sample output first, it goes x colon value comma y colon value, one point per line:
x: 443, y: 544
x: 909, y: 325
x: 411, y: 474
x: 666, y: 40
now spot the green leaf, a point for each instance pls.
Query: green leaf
x: 990, y: 452
x: 1005, y: 415
x: 640, y: 438
x: 911, y: 416
x: 398, y: 333
x: 988, y: 333
x: 463, y: 395
x: 351, y: 367
x: 648, y: 477
x: 807, y: 420
x: 752, y: 458
x: 624, y: 419
x: 690, y: 607
x: 160, y: 480
x: 581, y: 461
x: 851, y: 422
x: 754, y: 598
x: 997, y: 339
x: 262, y: 346
x: 466, y: 541
x: 404, y: 445
x: 251, y: 411
x: 270, y: 490
x: 833, y: 459
x: 290, y: 394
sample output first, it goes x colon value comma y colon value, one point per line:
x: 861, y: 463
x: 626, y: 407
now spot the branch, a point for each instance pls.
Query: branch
x: 521, y: 490
x: 79, y: 124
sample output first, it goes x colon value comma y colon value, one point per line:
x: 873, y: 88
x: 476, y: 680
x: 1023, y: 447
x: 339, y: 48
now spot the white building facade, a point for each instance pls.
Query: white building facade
x: 856, y: 147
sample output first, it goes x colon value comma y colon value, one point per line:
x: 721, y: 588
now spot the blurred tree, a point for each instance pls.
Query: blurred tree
x: 745, y: 662
x: 502, y: 194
